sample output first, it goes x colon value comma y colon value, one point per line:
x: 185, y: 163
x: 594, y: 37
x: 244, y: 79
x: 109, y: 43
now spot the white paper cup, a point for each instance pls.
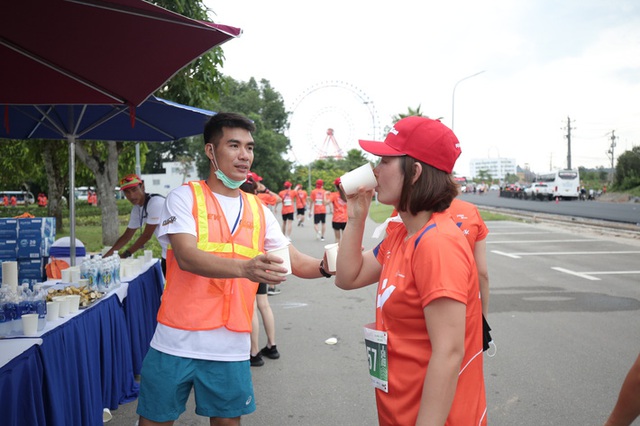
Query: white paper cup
x: 66, y: 275
x: 331, y: 251
x: 53, y: 311
x: 148, y: 256
x: 362, y: 176
x: 83, y: 282
x: 30, y: 324
x: 282, y: 252
x: 75, y: 274
x: 64, y: 305
x: 74, y: 303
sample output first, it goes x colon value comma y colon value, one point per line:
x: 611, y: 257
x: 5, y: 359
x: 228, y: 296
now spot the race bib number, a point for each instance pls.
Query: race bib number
x: 319, y: 201
x: 287, y: 202
x: 376, y: 344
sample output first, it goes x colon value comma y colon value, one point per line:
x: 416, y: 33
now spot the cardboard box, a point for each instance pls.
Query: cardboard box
x: 8, y: 228
x: 8, y: 249
x: 30, y: 271
x: 37, y: 231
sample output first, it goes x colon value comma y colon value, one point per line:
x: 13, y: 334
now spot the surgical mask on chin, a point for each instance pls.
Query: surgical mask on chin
x: 227, y: 181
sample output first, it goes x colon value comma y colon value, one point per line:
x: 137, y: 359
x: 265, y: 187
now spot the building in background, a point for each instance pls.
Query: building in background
x: 175, y: 174
x: 497, y: 168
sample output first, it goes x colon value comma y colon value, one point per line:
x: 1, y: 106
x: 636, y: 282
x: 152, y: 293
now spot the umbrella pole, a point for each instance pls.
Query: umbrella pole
x: 72, y: 200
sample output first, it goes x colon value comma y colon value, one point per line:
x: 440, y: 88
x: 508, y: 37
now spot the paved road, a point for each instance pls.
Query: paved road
x: 613, y: 212
x: 565, y: 340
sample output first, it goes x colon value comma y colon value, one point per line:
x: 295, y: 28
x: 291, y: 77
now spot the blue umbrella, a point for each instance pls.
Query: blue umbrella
x: 155, y: 120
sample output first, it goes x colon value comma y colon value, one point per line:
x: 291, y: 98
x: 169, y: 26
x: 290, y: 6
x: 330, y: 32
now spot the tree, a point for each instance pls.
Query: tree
x: 198, y: 85
x: 410, y: 112
x: 265, y: 106
x: 628, y: 170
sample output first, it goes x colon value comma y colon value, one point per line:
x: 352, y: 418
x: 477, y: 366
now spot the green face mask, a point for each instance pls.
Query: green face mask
x: 226, y: 180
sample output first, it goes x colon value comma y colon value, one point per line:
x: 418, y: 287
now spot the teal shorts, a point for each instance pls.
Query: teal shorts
x: 222, y: 389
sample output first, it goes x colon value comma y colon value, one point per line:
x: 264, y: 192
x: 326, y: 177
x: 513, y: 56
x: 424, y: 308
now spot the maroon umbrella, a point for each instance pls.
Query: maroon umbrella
x: 95, y: 51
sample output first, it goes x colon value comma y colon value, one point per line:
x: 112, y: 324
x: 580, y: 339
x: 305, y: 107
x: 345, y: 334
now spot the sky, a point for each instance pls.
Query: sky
x: 542, y: 66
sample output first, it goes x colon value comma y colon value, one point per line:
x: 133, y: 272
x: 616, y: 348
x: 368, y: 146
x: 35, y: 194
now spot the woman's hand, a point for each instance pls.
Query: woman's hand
x: 358, y: 205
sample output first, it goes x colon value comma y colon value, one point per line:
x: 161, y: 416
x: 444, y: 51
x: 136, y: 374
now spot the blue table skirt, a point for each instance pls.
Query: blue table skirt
x: 141, y: 309
x: 87, y: 366
x: 21, y: 396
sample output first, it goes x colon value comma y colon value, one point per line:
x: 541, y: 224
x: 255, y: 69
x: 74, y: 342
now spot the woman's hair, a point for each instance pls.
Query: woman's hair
x: 249, y: 186
x: 213, y: 128
x: 433, y: 191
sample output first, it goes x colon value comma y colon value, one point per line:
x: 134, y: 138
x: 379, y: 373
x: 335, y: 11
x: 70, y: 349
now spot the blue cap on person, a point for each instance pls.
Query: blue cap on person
x: 422, y: 138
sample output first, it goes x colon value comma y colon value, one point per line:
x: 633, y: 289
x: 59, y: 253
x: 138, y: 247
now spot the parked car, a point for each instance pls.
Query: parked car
x: 537, y: 190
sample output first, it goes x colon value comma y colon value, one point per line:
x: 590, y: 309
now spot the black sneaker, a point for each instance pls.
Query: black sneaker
x: 270, y: 352
x: 257, y: 361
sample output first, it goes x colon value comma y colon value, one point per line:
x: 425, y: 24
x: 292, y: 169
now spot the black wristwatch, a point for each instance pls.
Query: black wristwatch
x: 126, y: 254
x: 322, y: 271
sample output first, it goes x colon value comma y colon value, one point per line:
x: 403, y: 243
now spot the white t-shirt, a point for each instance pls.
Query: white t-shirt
x: 138, y: 218
x: 220, y: 344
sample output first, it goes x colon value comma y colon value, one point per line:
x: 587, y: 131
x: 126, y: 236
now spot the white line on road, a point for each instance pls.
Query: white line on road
x: 540, y: 241
x: 569, y: 253
x: 577, y: 274
x: 589, y: 275
x: 505, y: 254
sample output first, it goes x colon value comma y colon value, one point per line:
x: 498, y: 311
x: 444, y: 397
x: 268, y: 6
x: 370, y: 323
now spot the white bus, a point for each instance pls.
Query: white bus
x: 561, y: 183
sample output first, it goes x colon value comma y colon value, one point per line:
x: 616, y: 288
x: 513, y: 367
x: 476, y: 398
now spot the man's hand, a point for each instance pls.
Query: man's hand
x: 263, y: 269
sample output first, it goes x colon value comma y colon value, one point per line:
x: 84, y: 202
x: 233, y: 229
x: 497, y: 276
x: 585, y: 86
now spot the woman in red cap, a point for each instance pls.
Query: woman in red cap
x: 289, y: 199
x: 339, y: 201
x: 319, y: 200
x: 425, y: 348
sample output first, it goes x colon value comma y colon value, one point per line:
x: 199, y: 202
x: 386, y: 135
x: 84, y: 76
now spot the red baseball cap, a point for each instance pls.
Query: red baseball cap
x: 287, y: 184
x: 336, y: 182
x: 254, y: 176
x: 319, y: 182
x: 130, y: 181
x: 422, y: 138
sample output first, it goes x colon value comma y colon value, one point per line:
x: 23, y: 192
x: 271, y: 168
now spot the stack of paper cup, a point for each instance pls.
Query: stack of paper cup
x: 30, y: 324
x: 64, y: 305
x: 74, y: 303
x: 65, y: 276
x: 10, y: 275
x: 53, y: 310
x: 148, y: 256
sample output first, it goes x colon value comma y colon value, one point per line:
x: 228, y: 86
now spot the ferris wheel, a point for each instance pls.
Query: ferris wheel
x: 328, y: 118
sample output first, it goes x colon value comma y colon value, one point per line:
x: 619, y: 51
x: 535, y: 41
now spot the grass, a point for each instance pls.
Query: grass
x: 379, y: 212
x: 88, y: 224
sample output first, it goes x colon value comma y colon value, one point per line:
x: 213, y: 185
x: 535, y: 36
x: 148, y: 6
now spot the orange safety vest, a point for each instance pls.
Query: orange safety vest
x: 193, y: 302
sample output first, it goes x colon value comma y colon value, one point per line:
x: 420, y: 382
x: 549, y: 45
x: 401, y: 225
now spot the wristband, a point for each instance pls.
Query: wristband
x: 126, y: 254
x: 322, y: 271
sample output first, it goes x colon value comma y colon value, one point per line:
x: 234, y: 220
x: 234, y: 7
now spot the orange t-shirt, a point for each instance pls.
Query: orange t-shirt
x: 339, y: 208
x: 301, y: 199
x: 468, y: 219
x: 435, y: 262
x: 267, y: 199
x: 288, y: 200
x: 317, y: 199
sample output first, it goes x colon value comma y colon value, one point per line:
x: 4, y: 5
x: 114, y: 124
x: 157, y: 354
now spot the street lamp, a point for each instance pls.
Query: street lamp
x: 453, y: 96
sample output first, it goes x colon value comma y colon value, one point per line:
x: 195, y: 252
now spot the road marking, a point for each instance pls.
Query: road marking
x: 589, y: 275
x: 565, y: 253
x: 577, y: 274
x: 541, y: 241
x: 505, y: 254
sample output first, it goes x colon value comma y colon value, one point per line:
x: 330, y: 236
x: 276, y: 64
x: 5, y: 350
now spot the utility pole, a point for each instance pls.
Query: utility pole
x: 569, y: 128
x: 610, y: 153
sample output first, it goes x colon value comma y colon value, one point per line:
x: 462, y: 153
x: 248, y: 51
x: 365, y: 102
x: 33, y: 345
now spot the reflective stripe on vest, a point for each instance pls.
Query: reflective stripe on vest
x: 193, y: 302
